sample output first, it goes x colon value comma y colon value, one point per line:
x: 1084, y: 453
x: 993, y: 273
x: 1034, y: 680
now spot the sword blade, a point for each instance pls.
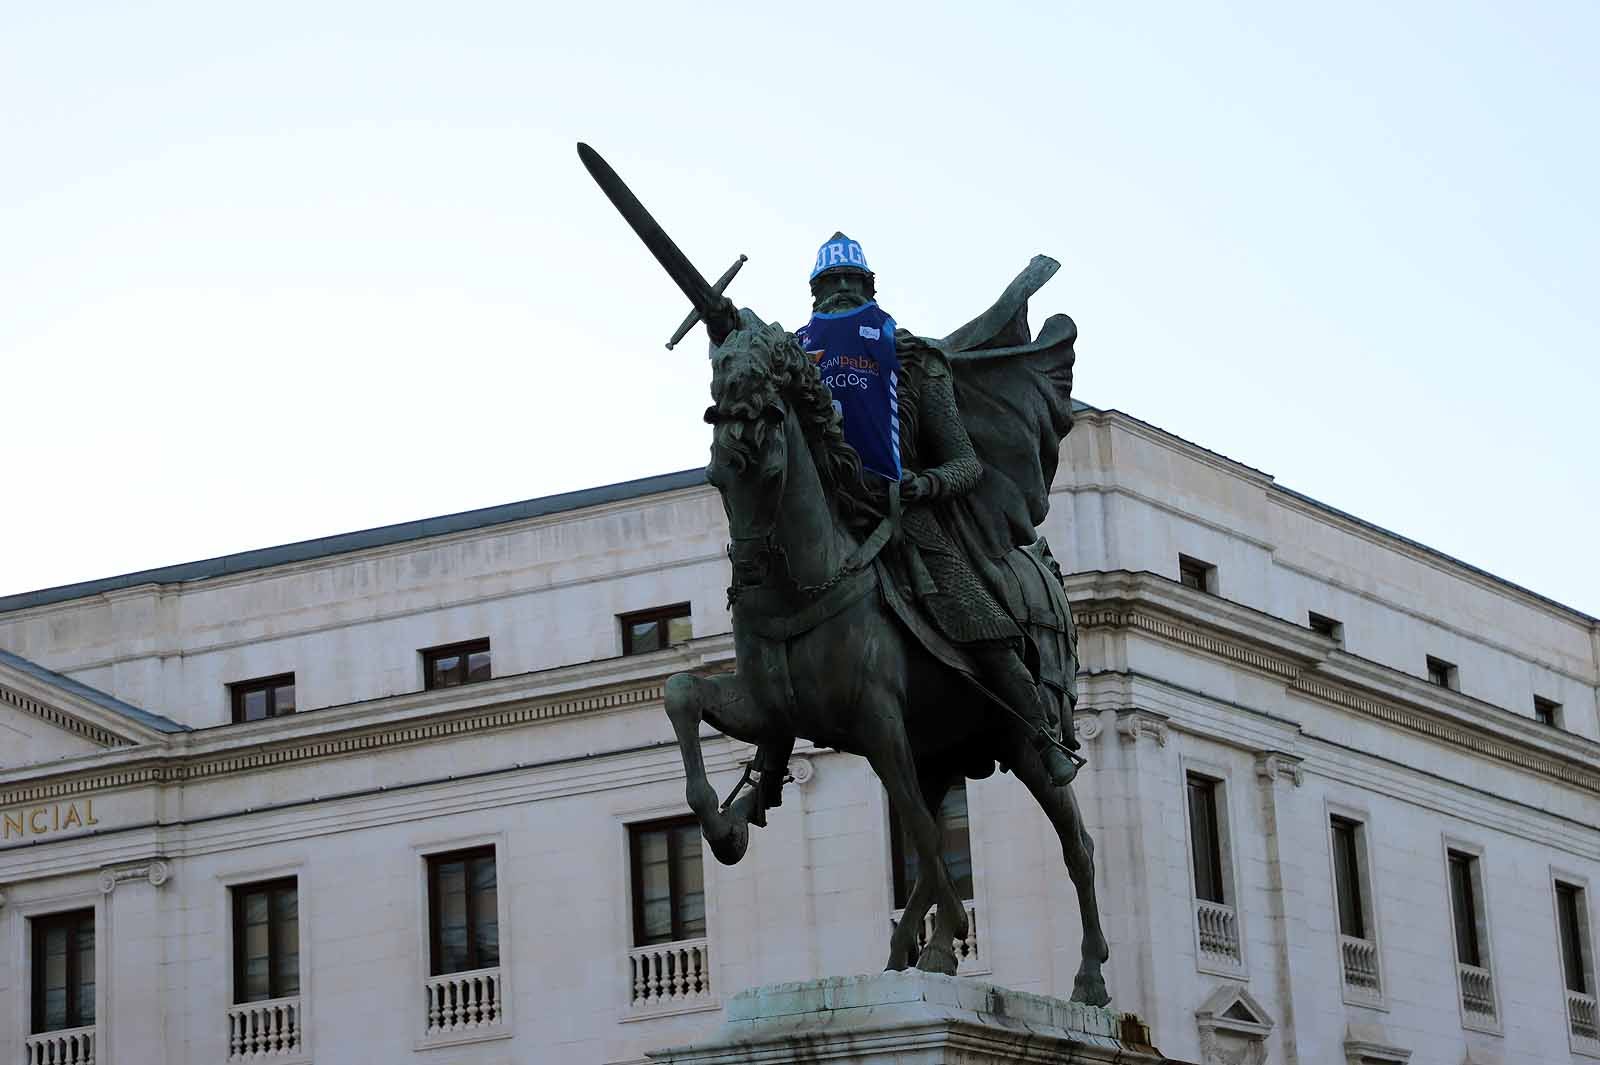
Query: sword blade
x: 677, y: 265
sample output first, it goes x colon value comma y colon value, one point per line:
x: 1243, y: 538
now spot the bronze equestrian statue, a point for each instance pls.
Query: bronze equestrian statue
x: 918, y: 622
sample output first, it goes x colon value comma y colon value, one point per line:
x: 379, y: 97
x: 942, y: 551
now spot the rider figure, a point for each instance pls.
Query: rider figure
x: 897, y: 399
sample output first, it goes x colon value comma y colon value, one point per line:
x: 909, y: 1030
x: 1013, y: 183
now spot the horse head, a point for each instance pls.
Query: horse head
x: 749, y: 443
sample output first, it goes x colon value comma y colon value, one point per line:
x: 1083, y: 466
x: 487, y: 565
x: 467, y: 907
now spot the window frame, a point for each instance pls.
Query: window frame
x: 636, y: 880
x: 1448, y: 670
x: 45, y: 919
x: 461, y: 649
x: 1323, y: 625
x: 238, y: 690
x: 1540, y: 703
x: 1201, y: 570
x: 433, y: 963
x: 1482, y: 930
x: 236, y: 896
x: 1216, y: 828
x: 662, y: 614
x: 1223, y: 795
x: 1583, y: 933
x: 1361, y: 819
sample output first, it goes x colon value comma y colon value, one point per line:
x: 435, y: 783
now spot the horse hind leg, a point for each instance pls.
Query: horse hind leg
x: 892, y: 760
x: 687, y: 700
x: 1077, y: 849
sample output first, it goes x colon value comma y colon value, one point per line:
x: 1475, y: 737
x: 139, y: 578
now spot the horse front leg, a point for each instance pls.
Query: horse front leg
x: 688, y: 699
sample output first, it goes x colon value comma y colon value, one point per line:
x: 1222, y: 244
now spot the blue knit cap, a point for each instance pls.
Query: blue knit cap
x: 840, y: 253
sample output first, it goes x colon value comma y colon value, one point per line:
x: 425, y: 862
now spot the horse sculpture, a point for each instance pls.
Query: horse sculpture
x: 823, y: 654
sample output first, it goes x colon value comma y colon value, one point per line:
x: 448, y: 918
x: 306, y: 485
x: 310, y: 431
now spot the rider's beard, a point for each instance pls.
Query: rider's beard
x: 835, y: 302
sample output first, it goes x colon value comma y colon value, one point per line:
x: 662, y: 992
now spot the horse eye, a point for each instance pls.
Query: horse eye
x: 772, y: 415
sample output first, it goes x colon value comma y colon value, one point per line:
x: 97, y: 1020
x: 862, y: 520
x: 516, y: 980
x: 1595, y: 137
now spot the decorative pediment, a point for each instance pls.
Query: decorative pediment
x: 45, y: 716
x: 1233, y: 1027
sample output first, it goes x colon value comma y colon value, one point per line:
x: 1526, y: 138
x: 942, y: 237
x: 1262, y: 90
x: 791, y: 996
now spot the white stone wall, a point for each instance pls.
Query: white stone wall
x: 554, y: 757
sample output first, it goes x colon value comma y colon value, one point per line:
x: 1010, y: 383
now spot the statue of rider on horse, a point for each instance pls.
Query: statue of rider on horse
x: 890, y: 594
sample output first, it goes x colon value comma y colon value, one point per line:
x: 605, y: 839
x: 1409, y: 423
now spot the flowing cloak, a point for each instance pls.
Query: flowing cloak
x: 1014, y: 392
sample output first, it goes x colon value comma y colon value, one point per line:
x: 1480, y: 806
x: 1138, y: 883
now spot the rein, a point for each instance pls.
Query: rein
x: 775, y: 613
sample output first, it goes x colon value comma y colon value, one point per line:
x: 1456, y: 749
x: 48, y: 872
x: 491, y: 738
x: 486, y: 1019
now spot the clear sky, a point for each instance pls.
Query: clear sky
x: 276, y: 271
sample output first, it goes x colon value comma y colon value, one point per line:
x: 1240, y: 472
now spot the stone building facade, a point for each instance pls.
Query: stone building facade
x: 1345, y: 792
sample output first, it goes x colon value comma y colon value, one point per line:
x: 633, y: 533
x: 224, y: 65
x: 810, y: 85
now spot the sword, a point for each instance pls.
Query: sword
x: 718, y: 312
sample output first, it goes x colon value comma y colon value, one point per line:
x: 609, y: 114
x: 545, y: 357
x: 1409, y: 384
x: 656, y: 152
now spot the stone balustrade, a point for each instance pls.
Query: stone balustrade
x: 670, y: 974
x: 463, y: 1002
x: 966, y: 949
x: 1361, y: 979
x: 1583, y: 1020
x: 1218, y: 927
x: 68, y: 1046
x: 1477, y: 993
x: 265, y: 1029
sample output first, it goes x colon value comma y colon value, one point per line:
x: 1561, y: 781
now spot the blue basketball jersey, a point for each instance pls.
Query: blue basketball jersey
x: 854, y: 351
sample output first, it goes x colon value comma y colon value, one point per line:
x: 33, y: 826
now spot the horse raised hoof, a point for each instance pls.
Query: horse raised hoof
x: 937, y: 959
x: 730, y: 844
x: 1090, y: 988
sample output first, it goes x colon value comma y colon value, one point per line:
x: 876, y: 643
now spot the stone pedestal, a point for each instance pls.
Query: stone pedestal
x: 912, y: 1018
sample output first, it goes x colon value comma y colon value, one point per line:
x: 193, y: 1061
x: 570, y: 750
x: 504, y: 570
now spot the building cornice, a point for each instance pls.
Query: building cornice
x: 1313, y: 666
x: 603, y: 686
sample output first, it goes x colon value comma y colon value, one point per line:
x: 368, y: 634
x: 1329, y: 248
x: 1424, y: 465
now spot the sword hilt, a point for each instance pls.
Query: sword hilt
x: 694, y: 315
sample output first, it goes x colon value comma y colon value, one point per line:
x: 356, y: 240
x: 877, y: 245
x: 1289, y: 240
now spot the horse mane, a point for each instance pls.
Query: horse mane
x: 779, y: 365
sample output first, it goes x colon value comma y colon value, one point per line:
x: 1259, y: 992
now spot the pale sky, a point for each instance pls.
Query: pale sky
x: 273, y: 272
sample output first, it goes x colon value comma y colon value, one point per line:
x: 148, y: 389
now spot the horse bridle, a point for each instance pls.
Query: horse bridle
x: 767, y: 552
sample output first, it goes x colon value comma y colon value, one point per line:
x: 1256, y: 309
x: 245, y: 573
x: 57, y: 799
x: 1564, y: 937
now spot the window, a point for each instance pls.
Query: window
x: 266, y: 940
x: 1205, y: 837
x: 254, y: 700
x: 459, y: 663
x: 1442, y: 673
x: 669, y: 892
x: 63, y: 971
x: 1326, y: 626
x: 463, y: 911
x: 955, y: 844
x: 651, y: 630
x: 1464, y: 905
x: 1201, y: 576
x: 1572, y: 922
x: 1547, y: 712
x: 1347, y: 878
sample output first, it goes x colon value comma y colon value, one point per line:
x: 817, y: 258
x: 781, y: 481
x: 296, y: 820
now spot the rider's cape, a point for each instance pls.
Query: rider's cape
x: 1015, y: 395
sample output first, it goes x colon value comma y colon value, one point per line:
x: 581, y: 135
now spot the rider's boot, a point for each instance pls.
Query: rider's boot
x: 1004, y: 670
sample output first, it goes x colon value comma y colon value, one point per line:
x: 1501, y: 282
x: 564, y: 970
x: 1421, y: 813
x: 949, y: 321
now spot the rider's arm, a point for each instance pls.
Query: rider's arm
x: 953, y: 466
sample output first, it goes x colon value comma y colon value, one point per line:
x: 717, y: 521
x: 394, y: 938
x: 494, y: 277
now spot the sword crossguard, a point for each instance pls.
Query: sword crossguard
x: 694, y: 316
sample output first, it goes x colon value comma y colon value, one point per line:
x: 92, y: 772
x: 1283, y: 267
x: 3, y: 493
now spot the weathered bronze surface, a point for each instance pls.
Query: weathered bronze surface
x: 921, y: 625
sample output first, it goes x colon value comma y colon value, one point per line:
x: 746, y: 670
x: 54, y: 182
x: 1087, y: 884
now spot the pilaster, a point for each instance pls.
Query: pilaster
x: 1279, y: 776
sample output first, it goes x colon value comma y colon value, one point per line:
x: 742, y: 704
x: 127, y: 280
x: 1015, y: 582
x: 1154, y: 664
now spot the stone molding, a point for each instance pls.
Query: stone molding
x: 1273, y: 766
x: 1233, y: 1027
x: 801, y: 770
x: 1124, y: 617
x: 1448, y: 732
x: 156, y: 870
x: 1369, y: 1044
x: 60, y: 719
x: 183, y: 767
x: 1114, y: 606
x: 1086, y: 723
x: 1134, y: 723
